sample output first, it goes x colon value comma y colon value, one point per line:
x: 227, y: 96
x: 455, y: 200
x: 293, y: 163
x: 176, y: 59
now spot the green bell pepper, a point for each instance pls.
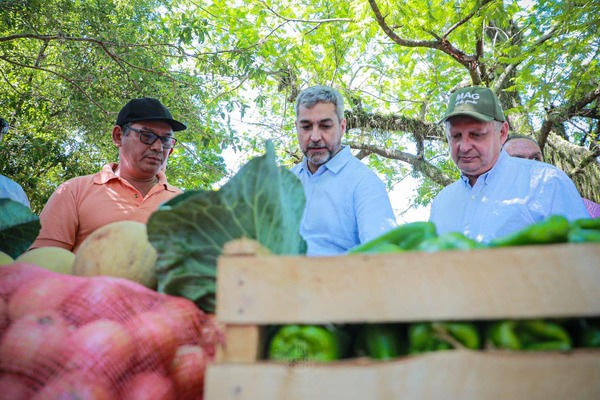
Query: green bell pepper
x: 534, y: 334
x: 294, y: 343
x: 381, y: 341
x: 580, y: 235
x: 585, y: 230
x: 406, y: 237
x: 434, y: 336
x: 502, y: 335
x: 448, y: 241
x: 589, y: 332
x: 586, y: 223
x: 554, y: 229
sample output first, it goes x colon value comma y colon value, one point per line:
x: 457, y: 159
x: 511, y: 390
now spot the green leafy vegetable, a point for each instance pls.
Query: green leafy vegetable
x: 19, y: 227
x: 262, y: 202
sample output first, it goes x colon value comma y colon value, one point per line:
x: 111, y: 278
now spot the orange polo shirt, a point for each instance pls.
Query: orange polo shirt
x: 81, y: 205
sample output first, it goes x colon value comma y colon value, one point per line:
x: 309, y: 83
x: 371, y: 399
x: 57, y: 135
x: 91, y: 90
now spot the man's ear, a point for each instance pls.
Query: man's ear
x: 117, y: 135
x: 504, y: 132
x: 343, y: 126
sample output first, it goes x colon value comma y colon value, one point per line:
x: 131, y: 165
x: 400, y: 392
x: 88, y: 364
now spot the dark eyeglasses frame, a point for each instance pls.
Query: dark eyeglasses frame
x: 147, y: 137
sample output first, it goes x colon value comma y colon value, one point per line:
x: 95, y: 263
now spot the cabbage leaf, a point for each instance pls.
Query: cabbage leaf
x: 262, y: 201
x: 19, y: 227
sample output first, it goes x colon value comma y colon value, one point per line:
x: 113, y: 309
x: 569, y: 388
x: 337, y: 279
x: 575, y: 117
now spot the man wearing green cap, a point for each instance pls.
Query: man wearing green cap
x: 128, y: 190
x: 496, y: 194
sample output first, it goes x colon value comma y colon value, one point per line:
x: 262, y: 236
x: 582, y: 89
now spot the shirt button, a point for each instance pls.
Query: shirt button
x: 135, y: 195
x: 473, y: 197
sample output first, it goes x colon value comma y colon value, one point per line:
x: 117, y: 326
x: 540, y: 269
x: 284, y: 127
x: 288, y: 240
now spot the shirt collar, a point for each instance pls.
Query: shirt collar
x: 492, y: 173
x: 108, y: 173
x: 335, y: 164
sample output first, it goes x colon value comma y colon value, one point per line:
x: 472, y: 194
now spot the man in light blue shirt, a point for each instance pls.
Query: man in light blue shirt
x: 8, y: 188
x: 496, y: 194
x: 346, y: 202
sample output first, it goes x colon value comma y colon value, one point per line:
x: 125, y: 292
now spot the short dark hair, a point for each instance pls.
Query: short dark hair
x: 321, y: 94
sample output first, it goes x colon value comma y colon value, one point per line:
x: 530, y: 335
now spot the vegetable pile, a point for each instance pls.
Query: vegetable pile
x: 293, y: 343
x: 386, y: 341
x: 422, y: 236
x: 64, y: 336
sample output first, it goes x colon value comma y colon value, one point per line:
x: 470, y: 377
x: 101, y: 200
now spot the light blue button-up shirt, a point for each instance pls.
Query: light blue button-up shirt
x: 515, y: 193
x: 12, y: 190
x: 346, y: 205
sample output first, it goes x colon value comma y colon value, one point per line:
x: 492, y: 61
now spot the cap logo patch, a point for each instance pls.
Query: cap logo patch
x: 466, y: 98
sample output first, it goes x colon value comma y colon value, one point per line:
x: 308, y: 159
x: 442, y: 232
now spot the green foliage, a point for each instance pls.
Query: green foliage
x: 79, y: 63
x: 232, y: 70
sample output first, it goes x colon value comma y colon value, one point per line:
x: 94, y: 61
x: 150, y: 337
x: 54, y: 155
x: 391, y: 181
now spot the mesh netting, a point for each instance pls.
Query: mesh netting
x: 64, y: 336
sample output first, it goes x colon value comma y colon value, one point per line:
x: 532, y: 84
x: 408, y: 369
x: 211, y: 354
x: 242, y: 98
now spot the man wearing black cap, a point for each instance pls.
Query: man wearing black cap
x: 496, y: 194
x: 128, y: 190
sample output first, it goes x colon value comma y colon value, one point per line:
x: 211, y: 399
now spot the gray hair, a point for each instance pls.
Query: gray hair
x: 497, y: 126
x: 321, y: 94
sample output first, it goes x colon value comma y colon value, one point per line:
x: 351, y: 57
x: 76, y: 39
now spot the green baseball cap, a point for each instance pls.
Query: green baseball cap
x: 476, y: 102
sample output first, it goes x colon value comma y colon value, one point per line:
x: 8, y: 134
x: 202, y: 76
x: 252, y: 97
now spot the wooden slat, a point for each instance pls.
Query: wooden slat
x: 519, y: 282
x: 441, y: 375
x: 243, y: 343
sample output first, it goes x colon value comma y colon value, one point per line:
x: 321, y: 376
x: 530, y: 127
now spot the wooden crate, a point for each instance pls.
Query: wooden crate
x: 255, y: 290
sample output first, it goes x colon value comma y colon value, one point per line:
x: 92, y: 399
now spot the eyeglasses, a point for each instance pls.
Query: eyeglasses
x: 149, y: 138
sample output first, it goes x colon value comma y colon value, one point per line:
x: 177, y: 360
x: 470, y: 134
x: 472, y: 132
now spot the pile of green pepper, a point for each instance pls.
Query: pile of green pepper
x: 528, y: 335
x: 422, y: 236
x: 387, y: 341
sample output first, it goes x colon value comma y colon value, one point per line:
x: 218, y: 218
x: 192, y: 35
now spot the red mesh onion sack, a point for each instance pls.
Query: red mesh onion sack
x: 64, y: 336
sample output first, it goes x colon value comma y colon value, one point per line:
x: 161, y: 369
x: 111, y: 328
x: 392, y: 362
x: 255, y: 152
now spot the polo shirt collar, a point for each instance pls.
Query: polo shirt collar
x: 108, y: 173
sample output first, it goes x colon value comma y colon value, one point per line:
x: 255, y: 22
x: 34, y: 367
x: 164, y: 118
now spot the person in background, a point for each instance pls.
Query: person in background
x: 496, y: 194
x: 10, y: 189
x: 346, y: 202
x: 522, y: 146
x: 128, y: 190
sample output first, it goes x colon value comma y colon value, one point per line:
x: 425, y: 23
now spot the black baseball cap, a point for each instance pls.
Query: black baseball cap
x: 147, y: 109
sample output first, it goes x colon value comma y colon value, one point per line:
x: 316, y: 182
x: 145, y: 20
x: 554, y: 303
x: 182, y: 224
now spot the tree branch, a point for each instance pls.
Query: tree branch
x: 418, y: 163
x: 394, y: 123
x: 442, y: 43
x: 103, y: 45
x: 508, y: 70
x: 466, y: 19
x: 557, y: 115
x: 587, y: 160
x: 64, y: 77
